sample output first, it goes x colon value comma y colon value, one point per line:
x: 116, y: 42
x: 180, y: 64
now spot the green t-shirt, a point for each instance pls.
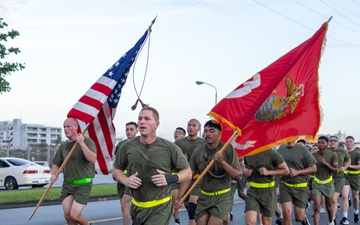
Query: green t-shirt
x: 299, y: 158
x: 322, y: 171
x: 188, y: 146
x: 216, y: 178
x: 145, y: 159
x: 119, y: 145
x: 343, y: 156
x: 355, y: 158
x: 270, y: 159
x: 78, y: 166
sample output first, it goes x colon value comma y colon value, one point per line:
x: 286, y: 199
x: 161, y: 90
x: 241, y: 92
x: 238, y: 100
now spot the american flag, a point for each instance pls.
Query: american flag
x: 97, y: 107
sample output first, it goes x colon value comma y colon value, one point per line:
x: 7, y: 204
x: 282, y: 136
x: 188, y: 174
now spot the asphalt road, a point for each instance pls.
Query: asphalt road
x: 109, y: 213
x: 106, y: 211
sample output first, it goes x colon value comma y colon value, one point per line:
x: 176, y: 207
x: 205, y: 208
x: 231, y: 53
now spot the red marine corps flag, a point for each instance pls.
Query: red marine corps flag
x: 278, y: 104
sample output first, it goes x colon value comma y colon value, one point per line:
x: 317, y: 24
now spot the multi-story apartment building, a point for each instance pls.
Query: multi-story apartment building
x: 16, y: 135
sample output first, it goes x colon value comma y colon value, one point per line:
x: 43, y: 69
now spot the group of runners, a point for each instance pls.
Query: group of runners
x: 336, y: 175
x: 154, y: 175
x: 293, y: 176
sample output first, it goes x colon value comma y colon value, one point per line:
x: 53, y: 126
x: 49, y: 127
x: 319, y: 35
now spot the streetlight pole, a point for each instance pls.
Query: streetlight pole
x: 200, y: 83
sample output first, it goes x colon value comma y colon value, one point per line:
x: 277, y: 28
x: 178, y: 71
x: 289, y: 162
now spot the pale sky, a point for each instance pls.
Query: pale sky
x: 68, y: 44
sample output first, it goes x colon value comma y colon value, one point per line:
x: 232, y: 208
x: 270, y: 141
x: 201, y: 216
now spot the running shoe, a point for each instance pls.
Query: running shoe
x: 344, y: 221
x: 322, y: 210
x: 356, y: 218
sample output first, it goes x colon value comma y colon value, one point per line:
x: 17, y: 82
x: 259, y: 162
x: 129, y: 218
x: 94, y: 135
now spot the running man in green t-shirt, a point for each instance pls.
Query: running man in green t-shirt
x: 215, y: 197
x: 352, y: 182
x: 150, y: 161
x: 131, y: 129
x: 179, y: 133
x: 261, y: 170
x: 78, y: 172
x: 343, y: 162
x: 187, y: 146
x: 323, y: 184
x: 294, y: 187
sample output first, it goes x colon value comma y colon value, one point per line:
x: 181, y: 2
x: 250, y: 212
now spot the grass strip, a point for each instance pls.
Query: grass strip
x: 36, y: 193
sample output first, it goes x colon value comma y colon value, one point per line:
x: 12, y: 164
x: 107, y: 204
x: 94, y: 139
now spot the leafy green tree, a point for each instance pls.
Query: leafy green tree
x: 7, y: 68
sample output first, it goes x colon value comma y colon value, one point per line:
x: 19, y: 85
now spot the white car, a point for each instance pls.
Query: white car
x: 16, y: 172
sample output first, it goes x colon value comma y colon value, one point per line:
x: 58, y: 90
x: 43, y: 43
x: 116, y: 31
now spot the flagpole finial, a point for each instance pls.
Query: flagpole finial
x: 327, y: 21
x: 152, y: 22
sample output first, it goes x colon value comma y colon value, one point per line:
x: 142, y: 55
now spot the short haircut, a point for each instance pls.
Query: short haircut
x: 132, y: 123
x: 214, y: 124
x: 197, y: 121
x: 153, y: 110
x: 351, y: 137
x: 333, y: 136
x: 74, y: 120
x: 324, y: 138
x: 302, y: 141
x: 182, y: 129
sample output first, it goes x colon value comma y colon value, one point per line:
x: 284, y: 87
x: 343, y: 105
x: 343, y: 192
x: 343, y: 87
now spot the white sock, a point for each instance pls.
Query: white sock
x: 356, y: 211
x: 345, y: 214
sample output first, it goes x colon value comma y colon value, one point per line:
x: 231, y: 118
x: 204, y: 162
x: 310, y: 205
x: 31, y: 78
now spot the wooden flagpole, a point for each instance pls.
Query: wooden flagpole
x: 57, y: 174
x: 207, y: 168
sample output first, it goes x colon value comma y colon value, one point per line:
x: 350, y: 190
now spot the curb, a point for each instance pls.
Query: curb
x: 47, y: 202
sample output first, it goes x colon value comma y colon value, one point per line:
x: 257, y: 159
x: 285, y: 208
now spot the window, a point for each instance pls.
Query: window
x: 3, y: 164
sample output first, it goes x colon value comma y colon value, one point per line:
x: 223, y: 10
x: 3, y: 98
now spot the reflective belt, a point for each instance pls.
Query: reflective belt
x: 215, y: 192
x: 79, y: 181
x: 352, y: 172
x: 299, y: 185
x: 125, y: 172
x: 262, y: 185
x: 312, y: 176
x: 151, y: 203
x: 323, y: 181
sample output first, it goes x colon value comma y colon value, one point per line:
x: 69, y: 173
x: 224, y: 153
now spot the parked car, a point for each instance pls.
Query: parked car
x: 16, y: 172
x: 42, y: 163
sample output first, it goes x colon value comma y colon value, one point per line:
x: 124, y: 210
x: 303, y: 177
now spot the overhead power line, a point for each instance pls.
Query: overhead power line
x: 294, y: 21
x: 343, y: 8
x: 310, y: 9
x: 340, y: 13
x: 356, y: 2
